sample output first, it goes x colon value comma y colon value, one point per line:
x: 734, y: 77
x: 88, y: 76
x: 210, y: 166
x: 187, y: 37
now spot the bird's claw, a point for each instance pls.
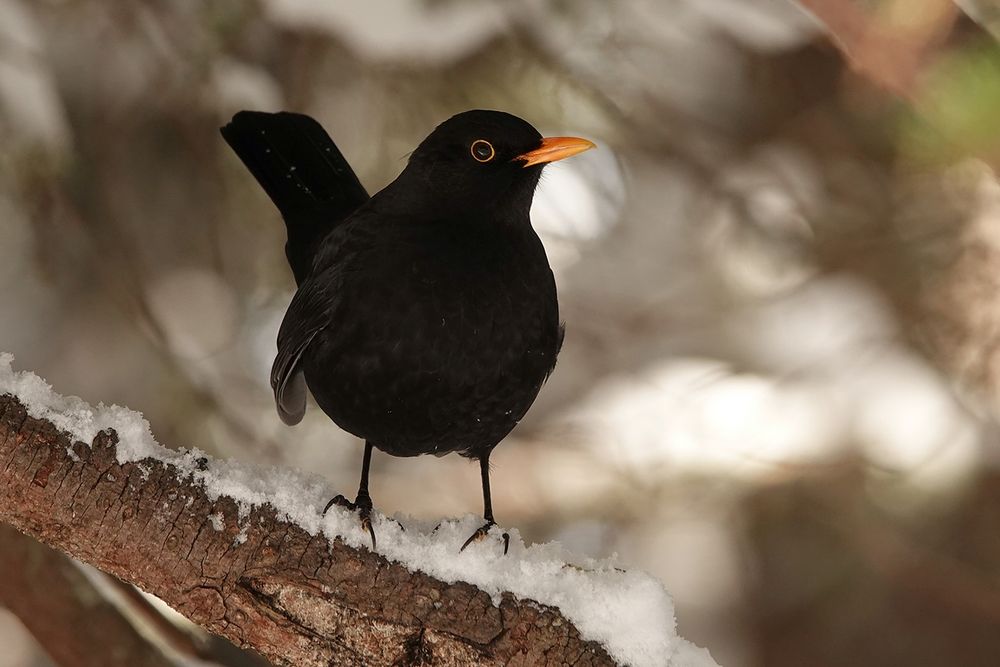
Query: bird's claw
x: 366, y: 523
x: 482, y: 532
x: 340, y: 501
x: 362, y: 505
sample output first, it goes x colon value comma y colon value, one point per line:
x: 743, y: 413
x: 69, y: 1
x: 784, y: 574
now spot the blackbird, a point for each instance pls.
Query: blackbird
x: 426, y: 318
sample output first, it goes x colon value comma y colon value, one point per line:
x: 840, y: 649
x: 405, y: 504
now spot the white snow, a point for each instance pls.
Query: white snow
x: 627, y: 612
x: 218, y: 521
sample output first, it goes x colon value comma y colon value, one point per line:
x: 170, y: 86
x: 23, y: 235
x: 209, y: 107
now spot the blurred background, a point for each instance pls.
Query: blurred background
x: 780, y: 275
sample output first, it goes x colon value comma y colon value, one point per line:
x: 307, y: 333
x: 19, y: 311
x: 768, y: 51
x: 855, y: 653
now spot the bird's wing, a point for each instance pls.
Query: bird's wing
x: 309, y: 313
x: 304, y: 174
x: 315, y: 307
x: 289, y: 384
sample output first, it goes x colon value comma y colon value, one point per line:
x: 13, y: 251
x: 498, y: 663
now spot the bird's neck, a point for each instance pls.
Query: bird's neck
x: 418, y: 197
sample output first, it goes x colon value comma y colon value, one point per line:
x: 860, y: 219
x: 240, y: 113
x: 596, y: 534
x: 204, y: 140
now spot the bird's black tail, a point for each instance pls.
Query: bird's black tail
x: 302, y: 171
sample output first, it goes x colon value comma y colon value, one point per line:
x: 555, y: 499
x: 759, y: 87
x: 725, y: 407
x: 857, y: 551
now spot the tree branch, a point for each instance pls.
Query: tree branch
x: 297, y: 599
x: 64, y: 611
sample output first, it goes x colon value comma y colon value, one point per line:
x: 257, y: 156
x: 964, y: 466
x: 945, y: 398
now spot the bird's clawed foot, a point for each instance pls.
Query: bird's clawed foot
x: 482, y: 532
x: 362, y: 505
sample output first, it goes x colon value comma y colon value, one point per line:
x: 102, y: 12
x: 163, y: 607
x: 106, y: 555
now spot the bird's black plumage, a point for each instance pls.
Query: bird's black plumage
x: 426, y: 317
x: 304, y: 173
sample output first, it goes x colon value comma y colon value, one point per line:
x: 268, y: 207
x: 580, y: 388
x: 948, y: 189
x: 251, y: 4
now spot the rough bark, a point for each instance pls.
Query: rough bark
x: 297, y: 599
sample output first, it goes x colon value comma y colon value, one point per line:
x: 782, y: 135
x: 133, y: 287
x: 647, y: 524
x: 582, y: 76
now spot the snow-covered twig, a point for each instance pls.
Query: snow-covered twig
x: 247, y: 554
x: 295, y: 598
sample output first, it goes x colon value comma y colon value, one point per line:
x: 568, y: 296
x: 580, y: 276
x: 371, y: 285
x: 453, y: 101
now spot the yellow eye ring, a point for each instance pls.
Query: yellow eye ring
x: 482, y: 150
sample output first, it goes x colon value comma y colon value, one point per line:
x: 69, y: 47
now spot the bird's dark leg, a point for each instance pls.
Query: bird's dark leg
x: 482, y: 531
x: 363, y: 503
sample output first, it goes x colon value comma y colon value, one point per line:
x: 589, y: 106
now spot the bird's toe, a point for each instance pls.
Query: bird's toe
x: 362, y: 505
x: 482, y: 532
x: 340, y: 501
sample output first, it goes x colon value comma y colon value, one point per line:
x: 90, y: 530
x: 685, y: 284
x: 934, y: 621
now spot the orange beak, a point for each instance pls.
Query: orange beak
x: 555, y: 148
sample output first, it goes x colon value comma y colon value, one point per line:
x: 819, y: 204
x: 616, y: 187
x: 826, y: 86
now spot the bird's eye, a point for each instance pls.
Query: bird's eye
x: 482, y: 150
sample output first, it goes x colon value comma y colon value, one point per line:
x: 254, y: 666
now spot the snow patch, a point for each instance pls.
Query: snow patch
x: 218, y: 521
x: 627, y: 612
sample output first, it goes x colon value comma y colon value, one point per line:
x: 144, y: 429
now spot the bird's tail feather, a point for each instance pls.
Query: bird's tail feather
x: 302, y: 171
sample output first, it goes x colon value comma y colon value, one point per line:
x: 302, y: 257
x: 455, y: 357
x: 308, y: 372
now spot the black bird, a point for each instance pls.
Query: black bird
x: 426, y: 318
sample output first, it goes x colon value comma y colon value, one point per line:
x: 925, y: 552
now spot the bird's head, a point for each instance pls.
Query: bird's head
x: 487, y: 159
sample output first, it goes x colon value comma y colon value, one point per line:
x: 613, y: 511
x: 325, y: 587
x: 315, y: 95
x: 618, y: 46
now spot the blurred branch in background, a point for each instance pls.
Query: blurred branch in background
x: 84, y: 617
x: 65, y: 612
x: 891, y: 42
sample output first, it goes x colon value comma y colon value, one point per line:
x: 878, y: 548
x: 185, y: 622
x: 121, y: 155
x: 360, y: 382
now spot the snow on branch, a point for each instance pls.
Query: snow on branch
x: 245, y: 552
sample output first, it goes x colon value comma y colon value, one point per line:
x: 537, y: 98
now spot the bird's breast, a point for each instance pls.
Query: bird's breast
x: 461, y: 308
x: 447, y: 345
